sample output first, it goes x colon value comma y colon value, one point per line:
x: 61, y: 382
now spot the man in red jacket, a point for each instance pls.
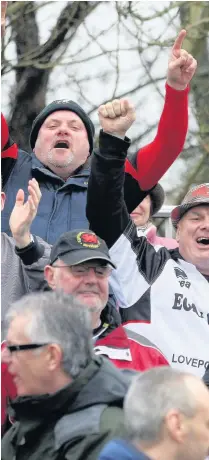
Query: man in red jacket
x: 80, y: 265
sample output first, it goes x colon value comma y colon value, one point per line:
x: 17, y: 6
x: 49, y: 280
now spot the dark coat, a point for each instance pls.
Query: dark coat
x: 74, y: 423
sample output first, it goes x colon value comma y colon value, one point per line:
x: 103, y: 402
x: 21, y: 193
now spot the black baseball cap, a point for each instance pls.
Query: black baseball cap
x: 78, y: 246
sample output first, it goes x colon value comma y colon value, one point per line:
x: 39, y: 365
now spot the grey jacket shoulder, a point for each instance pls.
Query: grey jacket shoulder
x: 18, y: 279
x: 101, y: 423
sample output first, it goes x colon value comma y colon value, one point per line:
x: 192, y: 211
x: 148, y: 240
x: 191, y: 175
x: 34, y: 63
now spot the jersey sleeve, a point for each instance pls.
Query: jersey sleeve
x: 151, y: 162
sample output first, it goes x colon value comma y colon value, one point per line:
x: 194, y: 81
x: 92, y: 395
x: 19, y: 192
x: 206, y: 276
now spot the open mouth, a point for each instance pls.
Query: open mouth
x: 203, y: 241
x: 61, y: 145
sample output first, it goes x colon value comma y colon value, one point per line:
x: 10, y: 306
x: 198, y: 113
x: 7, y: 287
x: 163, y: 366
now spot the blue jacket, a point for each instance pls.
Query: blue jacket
x: 63, y: 203
x: 123, y: 450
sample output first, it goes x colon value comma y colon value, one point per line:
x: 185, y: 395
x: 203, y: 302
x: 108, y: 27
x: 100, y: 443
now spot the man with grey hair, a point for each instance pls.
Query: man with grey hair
x: 166, y: 416
x: 69, y: 401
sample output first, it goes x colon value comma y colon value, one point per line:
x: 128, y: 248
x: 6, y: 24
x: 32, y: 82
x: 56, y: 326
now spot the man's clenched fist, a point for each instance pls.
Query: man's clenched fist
x: 116, y: 117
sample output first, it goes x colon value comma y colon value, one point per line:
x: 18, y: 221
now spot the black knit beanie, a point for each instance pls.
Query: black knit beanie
x: 62, y: 104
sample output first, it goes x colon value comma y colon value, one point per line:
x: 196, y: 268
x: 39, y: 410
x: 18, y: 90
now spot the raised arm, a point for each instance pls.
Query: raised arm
x: 151, y: 162
x: 106, y: 209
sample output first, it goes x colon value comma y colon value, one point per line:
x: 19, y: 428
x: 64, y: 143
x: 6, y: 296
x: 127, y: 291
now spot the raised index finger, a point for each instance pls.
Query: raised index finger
x: 179, y: 40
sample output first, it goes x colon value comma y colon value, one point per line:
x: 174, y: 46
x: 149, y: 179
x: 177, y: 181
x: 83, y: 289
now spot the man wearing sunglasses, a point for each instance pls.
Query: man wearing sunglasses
x: 69, y: 400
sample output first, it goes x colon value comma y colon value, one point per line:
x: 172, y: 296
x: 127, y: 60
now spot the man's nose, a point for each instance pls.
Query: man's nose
x: 63, y: 129
x: 205, y: 223
x: 91, y: 276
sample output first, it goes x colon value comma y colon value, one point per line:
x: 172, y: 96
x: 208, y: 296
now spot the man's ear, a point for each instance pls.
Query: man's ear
x: 49, y: 273
x: 176, y: 426
x: 3, y: 198
x: 54, y: 356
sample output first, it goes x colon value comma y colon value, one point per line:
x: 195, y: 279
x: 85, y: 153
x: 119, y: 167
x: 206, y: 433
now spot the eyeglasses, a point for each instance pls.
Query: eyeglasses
x: 102, y: 271
x: 27, y: 346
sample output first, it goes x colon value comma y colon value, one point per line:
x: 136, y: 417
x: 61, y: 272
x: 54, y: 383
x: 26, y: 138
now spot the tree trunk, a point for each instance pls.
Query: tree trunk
x: 192, y: 16
x: 34, y: 61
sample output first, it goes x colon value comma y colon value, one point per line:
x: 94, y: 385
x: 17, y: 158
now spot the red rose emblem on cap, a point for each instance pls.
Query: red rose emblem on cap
x: 88, y: 240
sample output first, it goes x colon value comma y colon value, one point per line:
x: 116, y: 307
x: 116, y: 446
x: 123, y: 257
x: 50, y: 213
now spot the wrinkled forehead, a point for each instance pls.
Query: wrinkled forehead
x: 63, y: 116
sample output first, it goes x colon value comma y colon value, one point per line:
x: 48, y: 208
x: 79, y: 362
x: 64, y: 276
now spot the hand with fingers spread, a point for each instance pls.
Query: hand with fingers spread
x: 23, y: 214
x: 116, y: 117
x: 3, y: 17
x: 181, y: 65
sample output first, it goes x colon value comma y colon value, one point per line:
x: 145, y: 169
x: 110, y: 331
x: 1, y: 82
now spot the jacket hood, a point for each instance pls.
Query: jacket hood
x: 100, y: 383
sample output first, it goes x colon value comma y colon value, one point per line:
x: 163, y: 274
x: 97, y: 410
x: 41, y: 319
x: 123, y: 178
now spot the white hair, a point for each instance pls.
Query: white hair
x: 151, y: 395
x: 55, y: 317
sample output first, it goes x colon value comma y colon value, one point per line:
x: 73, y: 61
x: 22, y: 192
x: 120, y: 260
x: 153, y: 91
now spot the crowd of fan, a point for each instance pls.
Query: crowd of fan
x: 104, y: 323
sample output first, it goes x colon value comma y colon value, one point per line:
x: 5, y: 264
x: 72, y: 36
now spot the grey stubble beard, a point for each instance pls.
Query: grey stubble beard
x: 56, y: 164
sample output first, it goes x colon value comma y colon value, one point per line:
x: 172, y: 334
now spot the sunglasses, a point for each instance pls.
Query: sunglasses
x: 28, y: 346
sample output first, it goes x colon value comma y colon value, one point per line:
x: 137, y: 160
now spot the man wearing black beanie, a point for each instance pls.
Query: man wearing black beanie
x: 55, y: 106
x: 62, y: 137
x: 62, y: 141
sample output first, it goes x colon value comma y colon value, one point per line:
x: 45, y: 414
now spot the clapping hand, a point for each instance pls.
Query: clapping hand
x: 23, y: 214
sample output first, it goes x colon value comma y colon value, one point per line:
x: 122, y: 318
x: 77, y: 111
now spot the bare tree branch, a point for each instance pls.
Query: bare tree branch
x: 31, y: 81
